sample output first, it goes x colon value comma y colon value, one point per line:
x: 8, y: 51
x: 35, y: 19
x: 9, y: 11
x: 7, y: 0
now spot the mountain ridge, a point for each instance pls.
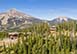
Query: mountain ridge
x: 14, y: 19
x: 61, y: 19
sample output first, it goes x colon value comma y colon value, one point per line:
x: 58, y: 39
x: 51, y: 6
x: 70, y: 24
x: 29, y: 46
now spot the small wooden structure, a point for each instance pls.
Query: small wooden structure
x: 13, y: 35
x: 53, y: 29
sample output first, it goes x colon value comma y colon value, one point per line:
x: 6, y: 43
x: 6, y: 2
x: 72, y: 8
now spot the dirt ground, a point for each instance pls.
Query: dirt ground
x: 7, y: 41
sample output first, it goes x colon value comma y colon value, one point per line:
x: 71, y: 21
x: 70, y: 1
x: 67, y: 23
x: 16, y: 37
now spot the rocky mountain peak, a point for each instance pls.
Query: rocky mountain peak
x: 12, y: 10
x: 11, y: 13
x: 62, y: 18
x: 15, y: 19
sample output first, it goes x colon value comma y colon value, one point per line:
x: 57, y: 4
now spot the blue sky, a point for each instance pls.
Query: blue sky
x: 43, y: 9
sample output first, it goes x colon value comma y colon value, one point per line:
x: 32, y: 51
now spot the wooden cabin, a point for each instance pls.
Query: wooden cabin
x: 13, y: 35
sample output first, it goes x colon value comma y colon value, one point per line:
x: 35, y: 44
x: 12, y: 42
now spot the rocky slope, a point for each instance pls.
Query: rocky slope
x: 13, y: 19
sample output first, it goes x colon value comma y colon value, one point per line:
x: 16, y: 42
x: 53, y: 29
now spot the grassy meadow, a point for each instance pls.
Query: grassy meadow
x: 39, y: 39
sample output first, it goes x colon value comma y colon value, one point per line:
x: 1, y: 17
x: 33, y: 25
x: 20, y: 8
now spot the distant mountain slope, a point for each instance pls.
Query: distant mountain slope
x: 15, y: 19
x: 60, y: 20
